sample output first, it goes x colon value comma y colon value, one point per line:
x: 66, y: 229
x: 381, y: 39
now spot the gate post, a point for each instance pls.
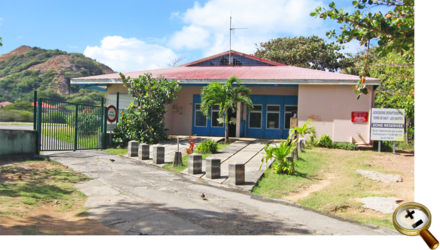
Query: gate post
x: 103, y: 124
x: 38, y: 126
x: 35, y: 110
x: 76, y: 128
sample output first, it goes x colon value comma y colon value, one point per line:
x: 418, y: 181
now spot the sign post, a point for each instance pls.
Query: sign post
x: 388, y: 125
x: 112, y: 115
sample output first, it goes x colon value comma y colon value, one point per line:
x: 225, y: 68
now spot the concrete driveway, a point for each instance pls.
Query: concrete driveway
x: 139, y: 199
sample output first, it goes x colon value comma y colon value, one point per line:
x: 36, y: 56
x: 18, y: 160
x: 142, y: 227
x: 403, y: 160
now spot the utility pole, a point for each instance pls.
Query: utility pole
x: 230, y: 38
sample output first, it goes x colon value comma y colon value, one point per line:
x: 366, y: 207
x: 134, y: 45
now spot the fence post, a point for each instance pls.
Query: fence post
x: 117, y: 108
x: 76, y: 128
x: 38, y: 126
x: 103, y: 124
x: 104, y: 141
x: 35, y: 110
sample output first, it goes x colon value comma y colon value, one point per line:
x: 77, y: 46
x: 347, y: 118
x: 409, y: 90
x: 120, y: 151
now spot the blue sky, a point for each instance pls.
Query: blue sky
x: 136, y: 35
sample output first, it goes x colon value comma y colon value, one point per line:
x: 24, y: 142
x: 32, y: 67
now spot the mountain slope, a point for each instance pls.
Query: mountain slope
x: 26, y: 69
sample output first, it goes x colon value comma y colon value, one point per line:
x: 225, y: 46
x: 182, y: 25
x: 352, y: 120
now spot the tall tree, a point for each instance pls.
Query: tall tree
x: 1, y: 44
x: 226, y: 97
x: 307, y: 52
x: 394, y: 30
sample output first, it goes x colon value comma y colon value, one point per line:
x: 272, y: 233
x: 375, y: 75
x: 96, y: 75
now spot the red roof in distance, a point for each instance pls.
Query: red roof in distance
x: 4, y: 104
x: 44, y: 105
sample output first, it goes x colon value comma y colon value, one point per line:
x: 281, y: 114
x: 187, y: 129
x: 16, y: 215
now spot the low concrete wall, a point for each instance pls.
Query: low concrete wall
x: 17, y: 142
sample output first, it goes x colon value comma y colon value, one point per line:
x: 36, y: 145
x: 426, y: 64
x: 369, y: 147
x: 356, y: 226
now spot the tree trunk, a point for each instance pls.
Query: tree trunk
x: 226, y: 128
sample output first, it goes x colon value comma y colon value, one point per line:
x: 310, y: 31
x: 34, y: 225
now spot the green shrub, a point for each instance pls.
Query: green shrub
x: 54, y: 117
x: 16, y: 116
x: 325, y: 141
x: 345, y: 145
x: 88, y: 122
x: 208, y: 146
x: 312, y: 141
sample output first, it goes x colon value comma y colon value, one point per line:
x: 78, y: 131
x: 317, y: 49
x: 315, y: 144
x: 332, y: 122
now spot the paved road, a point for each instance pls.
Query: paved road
x: 17, y: 127
x: 140, y: 199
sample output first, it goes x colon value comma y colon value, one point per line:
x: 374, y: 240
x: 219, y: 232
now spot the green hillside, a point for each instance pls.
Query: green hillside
x: 49, y: 72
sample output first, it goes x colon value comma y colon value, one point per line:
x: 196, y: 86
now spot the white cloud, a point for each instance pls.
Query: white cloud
x: 129, y: 54
x: 207, y: 26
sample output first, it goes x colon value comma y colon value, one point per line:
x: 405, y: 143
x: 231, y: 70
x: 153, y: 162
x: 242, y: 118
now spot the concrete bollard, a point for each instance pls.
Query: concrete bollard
x: 144, y: 151
x: 158, y: 154
x: 213, y: 168
x: 133, y: 148
x: 177, y: 159
x: 298, y: 146
x: 236, y: 173
x: 194, y: 164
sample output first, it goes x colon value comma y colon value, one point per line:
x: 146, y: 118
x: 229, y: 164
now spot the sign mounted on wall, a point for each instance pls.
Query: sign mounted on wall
x: 387, y: 124
x: 111, y: 113
x: 359, y: 116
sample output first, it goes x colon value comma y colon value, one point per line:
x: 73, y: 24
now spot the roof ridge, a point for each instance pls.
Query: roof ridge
x: 193, y: 63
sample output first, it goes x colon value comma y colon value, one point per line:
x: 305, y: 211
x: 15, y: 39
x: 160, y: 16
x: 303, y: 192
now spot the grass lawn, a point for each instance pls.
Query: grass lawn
x: 116, y: 151
x: 39, y: 197
x: 67, y: 134
x: 326, y: 180
x: 17, y: 123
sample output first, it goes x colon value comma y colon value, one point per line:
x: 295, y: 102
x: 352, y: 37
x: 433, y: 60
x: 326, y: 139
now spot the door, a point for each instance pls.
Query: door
x: 270, y: 117
x: 203, y: 125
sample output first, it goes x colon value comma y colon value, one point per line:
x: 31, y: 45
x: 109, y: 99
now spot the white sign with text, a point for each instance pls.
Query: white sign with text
x: 387, y: 124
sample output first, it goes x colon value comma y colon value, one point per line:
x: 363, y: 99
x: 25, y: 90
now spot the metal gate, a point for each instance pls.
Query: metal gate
x: 70, y: 126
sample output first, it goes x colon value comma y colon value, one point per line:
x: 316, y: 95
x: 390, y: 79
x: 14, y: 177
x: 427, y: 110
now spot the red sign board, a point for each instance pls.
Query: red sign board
x: 359, y: 116
x: 112, y: 114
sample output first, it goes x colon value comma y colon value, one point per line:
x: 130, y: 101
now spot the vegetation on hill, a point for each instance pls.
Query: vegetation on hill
x: 49, y: 72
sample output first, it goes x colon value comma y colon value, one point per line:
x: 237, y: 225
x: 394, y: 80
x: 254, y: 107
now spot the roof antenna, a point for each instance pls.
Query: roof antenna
x: 230, y: 37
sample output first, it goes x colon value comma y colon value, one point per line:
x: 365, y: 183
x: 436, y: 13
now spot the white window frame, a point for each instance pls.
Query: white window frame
x: 195, y: 116
x: 273, y: 112
x: 221, y: 125
x: 261, y: 120
x: 289, y: 105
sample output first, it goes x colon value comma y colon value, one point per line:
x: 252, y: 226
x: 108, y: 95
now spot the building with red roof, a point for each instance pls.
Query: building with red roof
x: 4, y: 104
x: 279, y: 93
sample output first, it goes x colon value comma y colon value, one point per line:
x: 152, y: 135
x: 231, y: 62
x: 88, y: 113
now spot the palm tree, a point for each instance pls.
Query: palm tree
x: 226, y: 97
x: 303, y: 130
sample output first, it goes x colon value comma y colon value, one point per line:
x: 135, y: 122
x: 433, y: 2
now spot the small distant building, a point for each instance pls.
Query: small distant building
x: 46, y: 107
x: 4, y: 104
x: 279, y: 93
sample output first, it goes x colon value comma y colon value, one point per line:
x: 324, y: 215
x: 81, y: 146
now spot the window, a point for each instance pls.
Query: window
x: 201, y: 120
x: 273, y: 116
x: 214, y: 116
x: 289, y: 111
x: 255, y: 116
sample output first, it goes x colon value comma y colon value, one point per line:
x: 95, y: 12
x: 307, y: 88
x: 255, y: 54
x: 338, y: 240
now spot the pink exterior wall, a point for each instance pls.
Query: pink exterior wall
x: 330, y: 107
x: 180, y: 123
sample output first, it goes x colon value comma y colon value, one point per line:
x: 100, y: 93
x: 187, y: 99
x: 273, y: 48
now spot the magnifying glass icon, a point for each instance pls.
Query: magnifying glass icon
x: 414, y: 219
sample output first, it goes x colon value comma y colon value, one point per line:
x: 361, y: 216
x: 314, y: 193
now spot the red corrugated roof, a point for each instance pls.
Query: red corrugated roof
x: 276, y: 72
x: 243, y: 72
x: 44, y: 105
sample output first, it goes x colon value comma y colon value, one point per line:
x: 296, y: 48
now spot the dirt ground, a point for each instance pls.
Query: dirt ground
x: 42, y: 217
x: 387, y: 163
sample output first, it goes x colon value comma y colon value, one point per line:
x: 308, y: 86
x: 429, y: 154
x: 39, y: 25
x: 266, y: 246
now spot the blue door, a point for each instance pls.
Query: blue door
x: 270, y: 117
x: 204, y: 126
